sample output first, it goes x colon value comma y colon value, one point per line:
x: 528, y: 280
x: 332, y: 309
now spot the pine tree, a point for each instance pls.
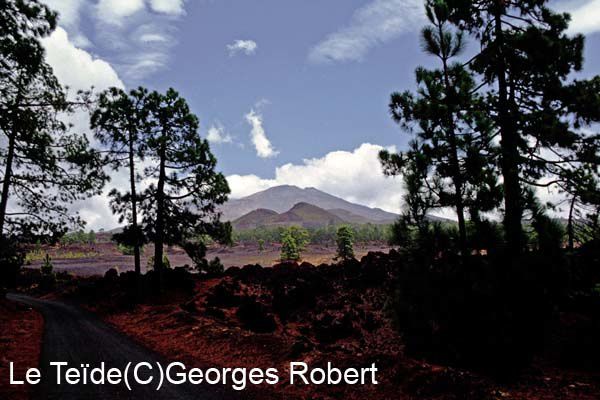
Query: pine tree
x: 44, y: 167
x: 453, y: 137
x: 289, y: 247
x: 525, y: 62
x: 345, y: 243
x: 182, y: 205
x: 119, y: 120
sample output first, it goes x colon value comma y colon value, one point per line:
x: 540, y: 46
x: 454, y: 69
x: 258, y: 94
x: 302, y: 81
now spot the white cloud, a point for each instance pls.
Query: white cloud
x: 114, y: 11
x: 355, y: 176
x: 247, y: 47
x: 153, y: 38
x: 68, y: 11
x: 143, y: 64
x: 217, y: 135
x: 171, y: 7
x: 264, y: 148
x: 585, y: 16
x: 75, y: 67
x: 375, y: 23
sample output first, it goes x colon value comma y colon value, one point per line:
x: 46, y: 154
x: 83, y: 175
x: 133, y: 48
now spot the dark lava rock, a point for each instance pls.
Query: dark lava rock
x: 215, y: 312
x: 112, y: 275
x: 255, y: 317
x: 301, y: 346
x: 329, y: 328
x: 232, y: 271
x: 252, y: 273
x: 189, y: 306
x: 223, y: 295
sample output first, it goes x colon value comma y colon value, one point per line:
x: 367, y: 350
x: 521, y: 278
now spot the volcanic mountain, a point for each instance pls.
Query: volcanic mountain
x: 287, y: 205
x: 301, y: 214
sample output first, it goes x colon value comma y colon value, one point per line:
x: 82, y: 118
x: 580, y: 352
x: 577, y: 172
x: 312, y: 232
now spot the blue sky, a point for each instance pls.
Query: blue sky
x: 288, y: 91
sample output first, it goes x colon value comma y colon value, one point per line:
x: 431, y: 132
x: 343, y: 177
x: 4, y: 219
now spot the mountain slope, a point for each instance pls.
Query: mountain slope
x: 283, y: 198
x: 254, y: 218
x: 301, y: 214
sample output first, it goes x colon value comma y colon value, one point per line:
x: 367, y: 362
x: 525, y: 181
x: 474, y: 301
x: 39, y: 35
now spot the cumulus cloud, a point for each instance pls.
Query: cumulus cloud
x: 247, y: 47
x: 171, y: 7
x: 585, y: 16
x: 75, y: 67
x: 355, y: 176
x: 263, y: 146
x: 217, y: 135
x: 68, y: 10
x: 79, y: 70
x: 377, y: 22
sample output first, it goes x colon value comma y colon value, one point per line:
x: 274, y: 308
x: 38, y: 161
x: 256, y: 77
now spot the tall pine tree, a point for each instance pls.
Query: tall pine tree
x: 181, y: 205
x: 43, y: 166
x: 120, y: 120
x: 525, y: 62
x: 453, y: 134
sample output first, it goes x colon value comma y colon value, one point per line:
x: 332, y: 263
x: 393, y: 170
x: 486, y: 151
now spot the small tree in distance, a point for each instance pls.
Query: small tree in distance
x: 293, y: 242
x: 345, y: 243
x: 289, y: 247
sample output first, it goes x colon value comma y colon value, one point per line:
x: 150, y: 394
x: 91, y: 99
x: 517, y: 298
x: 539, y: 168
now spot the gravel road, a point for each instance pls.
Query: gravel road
x: 78, y: 337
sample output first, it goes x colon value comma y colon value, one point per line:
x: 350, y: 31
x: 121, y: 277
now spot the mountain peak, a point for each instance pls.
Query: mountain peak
x: 285, y: 197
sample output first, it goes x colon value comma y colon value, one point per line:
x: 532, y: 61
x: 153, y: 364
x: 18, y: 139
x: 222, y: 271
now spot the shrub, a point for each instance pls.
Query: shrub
x: 47, y: 266
x: 126, y: 250
x: 215, y: 267
x: 150, y: 264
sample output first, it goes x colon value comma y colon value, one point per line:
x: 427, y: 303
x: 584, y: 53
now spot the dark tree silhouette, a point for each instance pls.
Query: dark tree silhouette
x: 453, y: 136
x: 181, y: 205
x: 120, y: 120
x: 44, y: 166
x: 525, y: 63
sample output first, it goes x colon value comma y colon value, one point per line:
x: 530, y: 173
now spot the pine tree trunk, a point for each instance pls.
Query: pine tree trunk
x: 570, y: 227
x: 7, y: 177
x: 134, y: 222
x: 160, y: 217
x: 454, y: 159
x: 509, y: 149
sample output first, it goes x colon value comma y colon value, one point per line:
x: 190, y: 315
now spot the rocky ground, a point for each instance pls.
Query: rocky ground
x: 267, y: 317
x: 20, y: 342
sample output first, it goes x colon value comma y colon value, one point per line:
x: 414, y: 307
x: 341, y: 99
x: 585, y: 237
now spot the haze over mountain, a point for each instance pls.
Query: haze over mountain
x: 281, y: 199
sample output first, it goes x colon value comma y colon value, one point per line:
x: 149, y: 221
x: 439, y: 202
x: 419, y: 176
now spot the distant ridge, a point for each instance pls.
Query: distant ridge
x: 301, y: 214
x: 281, y: 199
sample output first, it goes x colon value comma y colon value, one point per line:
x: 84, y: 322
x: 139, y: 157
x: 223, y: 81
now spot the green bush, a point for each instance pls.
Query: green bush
x: 79, y: 237
x: 126, y: 250
x: 289, y: 248
x: 150, y: 264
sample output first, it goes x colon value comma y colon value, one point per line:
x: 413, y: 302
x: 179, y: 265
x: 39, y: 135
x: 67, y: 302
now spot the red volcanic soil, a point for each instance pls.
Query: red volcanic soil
x: 21, y: 331
x: 342, y: 320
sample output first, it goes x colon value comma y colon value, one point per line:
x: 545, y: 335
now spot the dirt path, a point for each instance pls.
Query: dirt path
x: 77, y: 337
